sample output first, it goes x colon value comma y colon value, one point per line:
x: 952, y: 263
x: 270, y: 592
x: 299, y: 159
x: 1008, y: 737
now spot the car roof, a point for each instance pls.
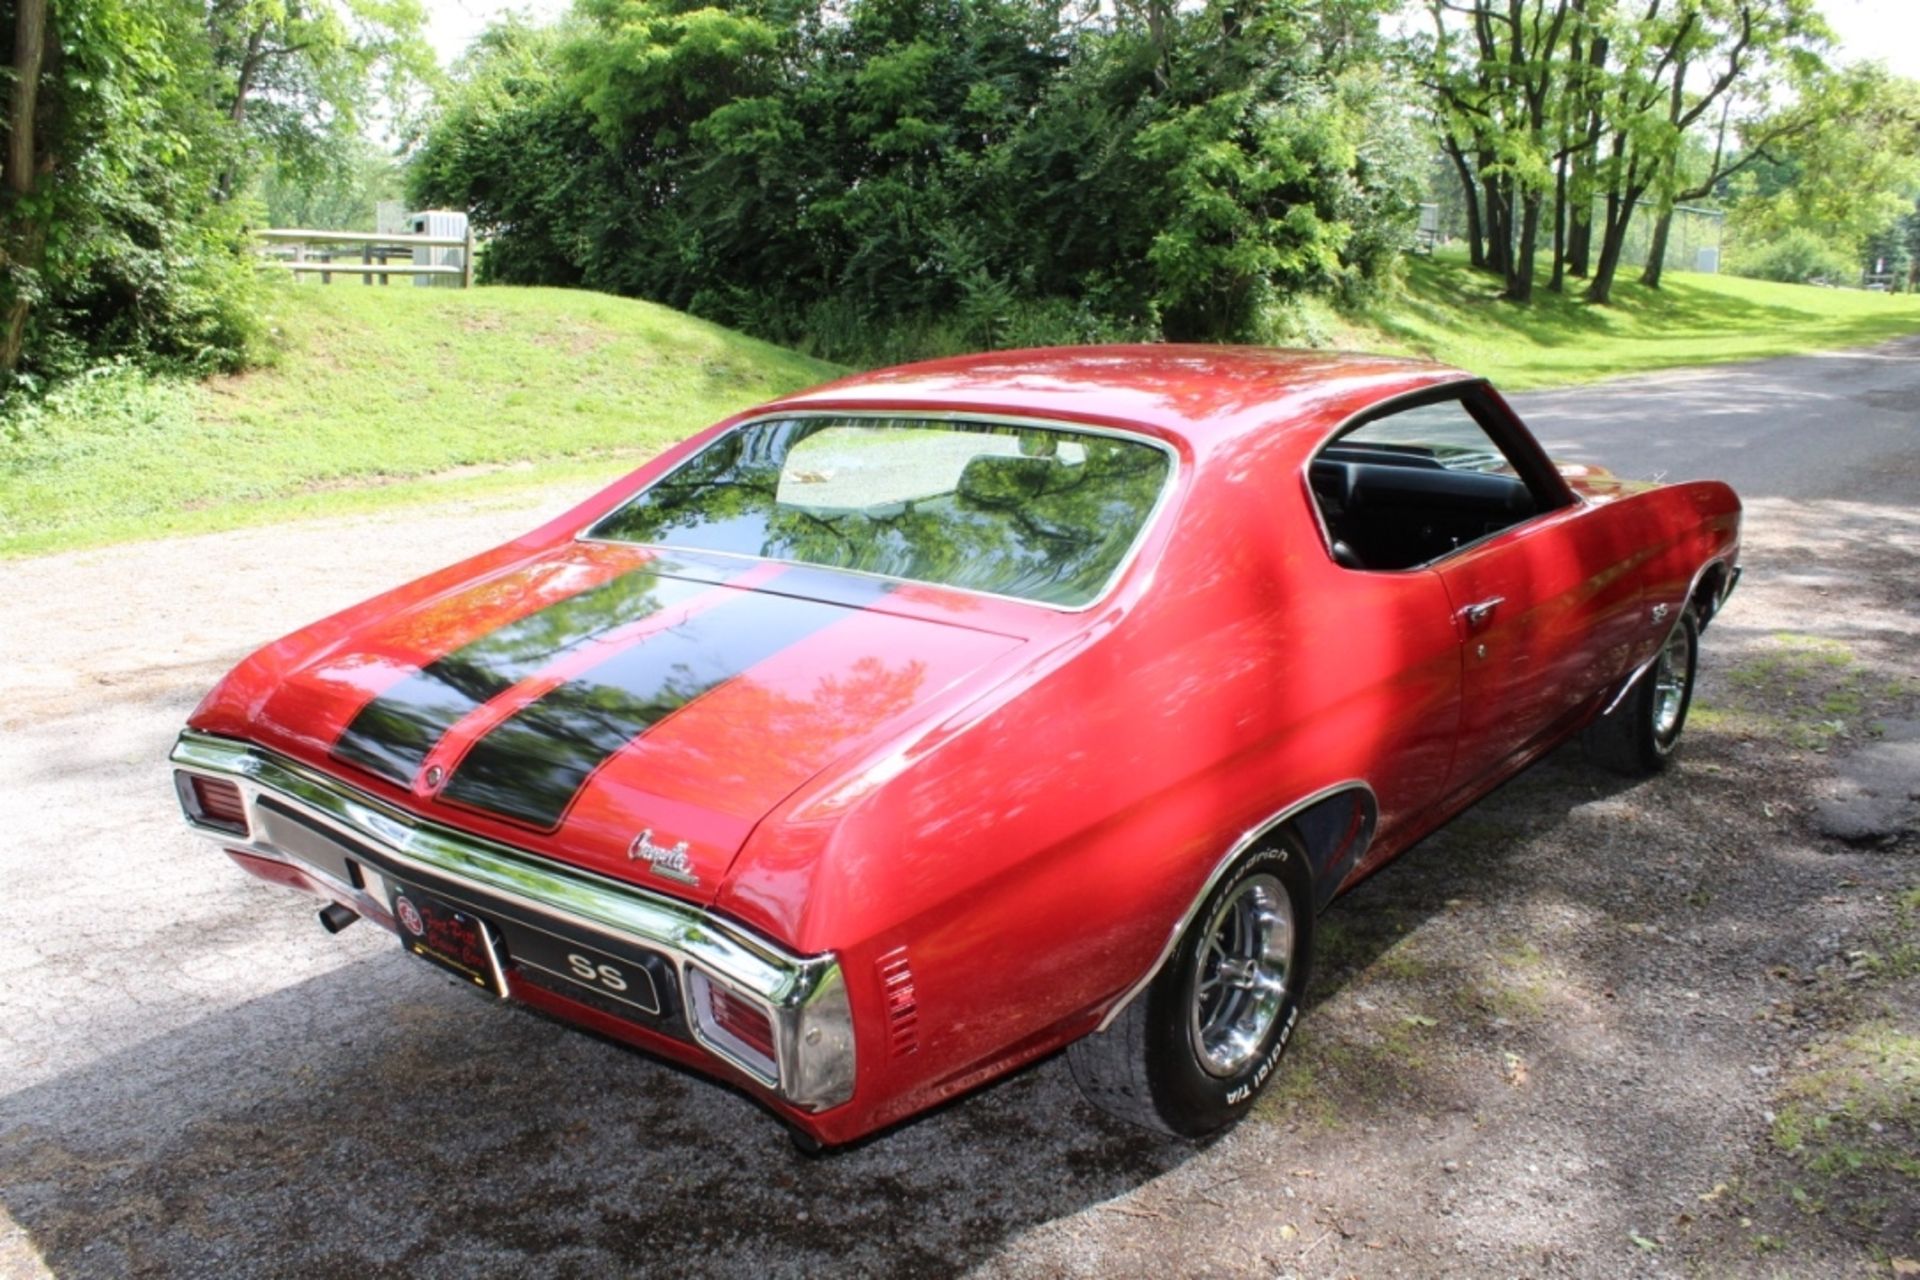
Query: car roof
x: 1203, y: 395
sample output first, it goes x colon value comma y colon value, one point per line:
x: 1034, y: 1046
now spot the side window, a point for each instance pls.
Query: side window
x: 1405, y: 489
x: 1442, y: 434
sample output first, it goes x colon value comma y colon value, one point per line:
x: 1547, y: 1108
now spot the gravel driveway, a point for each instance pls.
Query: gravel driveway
x: 1592, y: 1028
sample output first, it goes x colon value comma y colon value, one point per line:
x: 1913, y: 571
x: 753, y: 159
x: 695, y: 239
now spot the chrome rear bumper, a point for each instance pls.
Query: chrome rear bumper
x: 804, y: 996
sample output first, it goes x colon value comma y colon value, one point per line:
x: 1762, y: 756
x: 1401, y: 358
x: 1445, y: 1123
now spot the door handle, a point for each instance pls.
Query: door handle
x: 1478, y: 612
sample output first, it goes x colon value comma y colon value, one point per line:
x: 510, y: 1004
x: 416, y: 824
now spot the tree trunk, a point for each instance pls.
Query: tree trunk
x: 249, y: 68
x: 1159, y: 20
x: 1558, y: 281
x: 1499, y: 226
x: 1580, y: 238
x: 1657, y: 251
x: 237, y: 113
x: 29, y: 48
x: 24, y: 238
x: 1580, y: 228
x: 1613, y: 242
x: 1520, y: 269
x: 1680, y: 117
x: 1476, y: 245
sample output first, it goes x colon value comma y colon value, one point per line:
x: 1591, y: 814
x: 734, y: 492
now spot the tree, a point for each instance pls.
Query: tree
x: 134, y: 129
x: 1910, y: 242
x: 1600, y: 99
x: 1499, y: 81
x: 516, y: 149
x: 1845, y: 169
x: 1672, y: 69
x: 108, y: 165
x: 891, y: 177
x: 343, y: 196
x: 296, y: 77
x: 26, y: 146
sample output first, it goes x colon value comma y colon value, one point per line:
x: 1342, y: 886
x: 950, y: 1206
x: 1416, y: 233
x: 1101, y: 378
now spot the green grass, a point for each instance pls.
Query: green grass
x: 380, y: 396
x: 1806, y: 690
x: 1856, y: 1105
x: 387, y: 396
x: 1455, y: 315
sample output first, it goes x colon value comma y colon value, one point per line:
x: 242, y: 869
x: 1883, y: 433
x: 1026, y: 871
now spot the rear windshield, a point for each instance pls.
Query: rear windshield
x: 1040, y: 514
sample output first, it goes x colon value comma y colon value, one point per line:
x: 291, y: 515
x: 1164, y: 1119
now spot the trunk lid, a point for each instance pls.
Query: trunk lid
x: 620, y: 711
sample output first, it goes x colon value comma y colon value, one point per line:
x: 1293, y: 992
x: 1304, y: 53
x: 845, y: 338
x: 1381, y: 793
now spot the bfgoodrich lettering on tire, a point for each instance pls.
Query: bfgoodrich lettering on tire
x: 1190, y: 1054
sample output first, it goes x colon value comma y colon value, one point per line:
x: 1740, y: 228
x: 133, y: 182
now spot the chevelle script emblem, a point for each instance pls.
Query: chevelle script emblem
x: 672, y: 863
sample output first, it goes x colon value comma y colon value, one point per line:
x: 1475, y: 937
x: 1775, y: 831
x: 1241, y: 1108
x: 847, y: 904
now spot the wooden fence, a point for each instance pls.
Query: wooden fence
x: 325, y: 253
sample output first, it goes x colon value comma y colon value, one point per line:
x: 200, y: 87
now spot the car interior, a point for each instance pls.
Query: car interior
x: 1405, y: 489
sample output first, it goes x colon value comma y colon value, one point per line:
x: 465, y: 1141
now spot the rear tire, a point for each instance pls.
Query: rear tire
x: 1639, y: 735
x: 1189, y: 1054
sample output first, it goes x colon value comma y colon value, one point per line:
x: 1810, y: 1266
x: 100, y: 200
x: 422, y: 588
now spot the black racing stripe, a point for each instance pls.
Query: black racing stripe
x: 835, y: 586
x: 535, y: 761
x: 392, y: 734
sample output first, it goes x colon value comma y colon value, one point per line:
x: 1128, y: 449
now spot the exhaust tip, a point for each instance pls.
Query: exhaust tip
x: 334, y: 917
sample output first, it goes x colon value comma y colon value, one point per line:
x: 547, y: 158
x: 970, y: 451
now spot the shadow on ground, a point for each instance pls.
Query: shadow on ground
x: 448, y: 1136
x: 1581, y: 996
x: 381, y: 1118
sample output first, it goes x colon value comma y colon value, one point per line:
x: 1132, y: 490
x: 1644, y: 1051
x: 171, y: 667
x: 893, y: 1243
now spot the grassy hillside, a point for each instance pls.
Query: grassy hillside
x: 380, y: 396
x: 1455, y: 315
x: 393, y: 395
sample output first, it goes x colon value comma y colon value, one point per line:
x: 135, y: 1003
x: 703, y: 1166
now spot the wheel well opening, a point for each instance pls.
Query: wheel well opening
x: 1335, y: 831
x: 1706, y: 596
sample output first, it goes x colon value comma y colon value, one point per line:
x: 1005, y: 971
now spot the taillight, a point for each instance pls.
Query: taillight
x: 804, y: 1050
x: 740, y: 1029
x: 748, y: 1023
x: 213, y: 802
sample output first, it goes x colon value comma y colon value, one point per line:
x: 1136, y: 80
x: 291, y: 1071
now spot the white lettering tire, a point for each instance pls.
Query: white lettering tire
x: 1190, y: 1054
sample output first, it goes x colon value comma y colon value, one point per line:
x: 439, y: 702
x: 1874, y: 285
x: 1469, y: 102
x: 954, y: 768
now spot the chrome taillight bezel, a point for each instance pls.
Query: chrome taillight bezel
x: 188, y: 786
x: 718, y: 1039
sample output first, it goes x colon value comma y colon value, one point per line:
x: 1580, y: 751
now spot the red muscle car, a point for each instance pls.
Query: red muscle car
x: 884, y: 738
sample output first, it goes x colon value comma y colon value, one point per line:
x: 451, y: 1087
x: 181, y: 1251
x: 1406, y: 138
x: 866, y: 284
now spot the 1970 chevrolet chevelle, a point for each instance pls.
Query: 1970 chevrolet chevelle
x: 879, y: 740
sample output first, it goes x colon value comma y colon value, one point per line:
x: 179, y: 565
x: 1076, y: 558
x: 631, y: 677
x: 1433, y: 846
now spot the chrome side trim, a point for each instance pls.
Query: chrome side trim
x: 788, y: 985
x: 1240, y: 846
x: 1700, y: 575
x: 1147, y: 526
x: 1626, y: 686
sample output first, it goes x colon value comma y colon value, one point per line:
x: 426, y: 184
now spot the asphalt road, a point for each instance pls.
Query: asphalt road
x: 1835, y: 426
x: 195, y: 1080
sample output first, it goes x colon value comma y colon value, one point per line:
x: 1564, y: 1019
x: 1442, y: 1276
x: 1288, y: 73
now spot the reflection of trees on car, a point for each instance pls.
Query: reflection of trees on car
x: 1037, y: 520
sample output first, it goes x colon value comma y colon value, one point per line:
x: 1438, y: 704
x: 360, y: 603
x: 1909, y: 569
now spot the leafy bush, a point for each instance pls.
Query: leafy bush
x: 1796, y: 256
x: 124, y: 233
x: 890, y: 178
x: 97, y: 414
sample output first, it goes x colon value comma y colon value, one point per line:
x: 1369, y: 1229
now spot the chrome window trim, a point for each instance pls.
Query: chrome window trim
x: 788, y: 985
x: 1147, y: 526
x: 1220, y: 869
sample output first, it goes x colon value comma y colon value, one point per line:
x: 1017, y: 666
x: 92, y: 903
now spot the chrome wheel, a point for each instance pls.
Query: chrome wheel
x: 1243, y: 974
x: 1671, y: 672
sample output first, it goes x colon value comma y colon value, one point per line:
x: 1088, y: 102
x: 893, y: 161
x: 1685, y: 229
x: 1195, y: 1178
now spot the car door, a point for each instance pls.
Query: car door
x: 1537, y: 614
x: 1541, y: 598
x: 1544, y: 610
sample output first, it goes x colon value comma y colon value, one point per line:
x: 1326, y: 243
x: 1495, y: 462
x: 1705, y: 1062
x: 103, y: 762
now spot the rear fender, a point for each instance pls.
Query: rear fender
x: 1334, y: 826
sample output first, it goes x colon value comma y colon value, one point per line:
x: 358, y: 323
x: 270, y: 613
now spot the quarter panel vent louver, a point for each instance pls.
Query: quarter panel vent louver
x: 903, y: 1010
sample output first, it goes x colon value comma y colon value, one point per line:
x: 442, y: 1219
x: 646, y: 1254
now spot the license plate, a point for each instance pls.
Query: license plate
x: 440, y: 933
x: 583, y: 972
